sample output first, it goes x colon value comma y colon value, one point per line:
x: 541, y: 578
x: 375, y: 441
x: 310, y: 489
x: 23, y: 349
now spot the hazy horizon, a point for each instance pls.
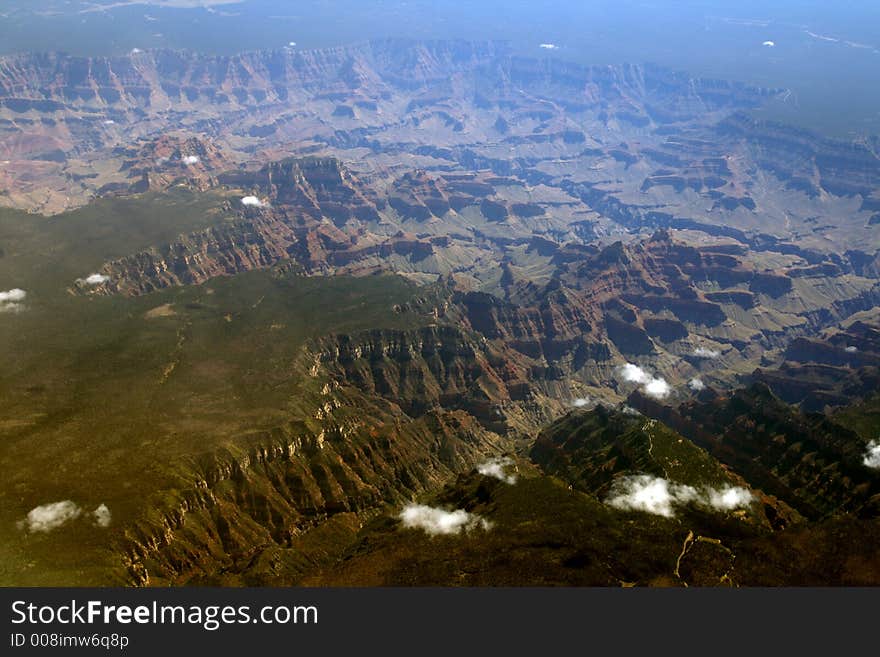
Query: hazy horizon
x: 827, y: 56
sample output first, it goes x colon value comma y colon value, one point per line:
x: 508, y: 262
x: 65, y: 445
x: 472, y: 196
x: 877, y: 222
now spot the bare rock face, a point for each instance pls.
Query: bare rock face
x: 158, y: 78
x: 310, y: 211
x: 829, y: 370
x: 808, y: 163
x: 315, y: 186
x: 419, y: 196
x: 174, y: 159
x: 679, y: 150
x: 627, y: 300
x: 87, y: 107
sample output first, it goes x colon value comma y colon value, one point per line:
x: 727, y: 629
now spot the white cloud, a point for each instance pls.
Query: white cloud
x: 634, y: 374
x: 12, y: 295
x: 649, y: 494
x: 136, y: 51
x: 252, y: 201
x: 696, y: 384
x: 47, y: 517
x: 703, y: 352
x: 661, y: 497
x: 629, y: 410
x: 291, y: 44
x: 872, y: 456
x: 102, y: 516
x: 580, y: 402
x: 728, y: 498
x: 851, y: 349
x: 495, y: 468
x: 109, y: 122
x: 96, y: 279
x: 769, y: 44
x: 439, y: 521
x: 548, y: 46
x: 653, y: 386
x: 10, y: 301
x: 657, y: 388
x: 191, y: 159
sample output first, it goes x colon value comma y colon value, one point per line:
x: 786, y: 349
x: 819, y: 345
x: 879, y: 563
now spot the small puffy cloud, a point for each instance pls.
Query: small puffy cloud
x: 136, y: 51
x: 653, y: 386
x: 252, y: 201
x: 291, y: 44
x: 872, y: 456
x: 629, y: 410
x: 769, y: 44
x: 657, y: 388
x: 12, y: 296
x: 439, y: 521
x: 649, y: 494
x: 634, y: 374
x: 96, y: 279
x: 548, y: 46
x: 102, y: 516
x: 703, y: 352
x: 661, y: 497
x: 696, y: 384
x: 10, y: 301
x: 580, y: 402
x: 496, y: 468
x: 108, y: 122
x: 727, y: 498
x: 47, y: 517
x: 191, y: 159
x: 851, y: 349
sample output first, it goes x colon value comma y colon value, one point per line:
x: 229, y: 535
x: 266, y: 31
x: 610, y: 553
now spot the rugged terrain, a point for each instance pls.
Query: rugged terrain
x: 256, y: 306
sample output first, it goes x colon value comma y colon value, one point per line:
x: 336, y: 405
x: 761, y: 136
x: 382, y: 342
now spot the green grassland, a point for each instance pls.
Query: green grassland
x: 862, y: 416
x: 542, y: 533
x: 110, y: 399
x: 46, y: 255
x: 589, y: 449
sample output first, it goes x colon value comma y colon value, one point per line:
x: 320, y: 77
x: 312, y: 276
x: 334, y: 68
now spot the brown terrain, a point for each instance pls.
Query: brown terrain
x: 554, y: 222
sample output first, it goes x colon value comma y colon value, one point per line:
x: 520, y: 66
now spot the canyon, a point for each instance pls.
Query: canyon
x: 273, y: 298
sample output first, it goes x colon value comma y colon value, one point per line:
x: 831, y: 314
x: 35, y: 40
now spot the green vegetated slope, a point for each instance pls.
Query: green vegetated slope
x: 813, y: 463
x: 591, y: 449
x: 107, y: 399
x: 44, y: 255
x: 863, y: 417
x: 545, y: 533
x: 546, y: 529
